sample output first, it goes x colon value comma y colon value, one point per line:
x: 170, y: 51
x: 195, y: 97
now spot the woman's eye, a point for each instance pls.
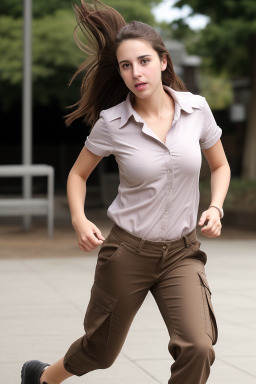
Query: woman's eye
x: 144, y: 61
x: 125, y: 66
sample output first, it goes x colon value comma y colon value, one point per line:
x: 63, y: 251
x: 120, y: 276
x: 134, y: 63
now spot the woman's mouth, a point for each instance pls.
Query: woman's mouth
x: 140, y: 86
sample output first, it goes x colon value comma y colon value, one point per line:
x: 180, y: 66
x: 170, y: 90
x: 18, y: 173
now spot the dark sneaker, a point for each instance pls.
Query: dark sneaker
x: 32, y: 371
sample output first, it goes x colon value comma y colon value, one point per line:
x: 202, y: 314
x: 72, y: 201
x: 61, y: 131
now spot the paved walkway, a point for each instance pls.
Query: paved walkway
x: 45, y: 286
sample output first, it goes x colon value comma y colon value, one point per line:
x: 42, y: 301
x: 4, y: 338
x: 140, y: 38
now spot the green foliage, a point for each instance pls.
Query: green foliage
x: 130, y: 9
x: 225, y: 38
x: 10, y: 49
x: 40, y: 8
x: 11, y: 8
x: 134, y: 9
x: 220, y: 10
x: 216, y: 89
x: 54, y: 55
x: 181, y: 30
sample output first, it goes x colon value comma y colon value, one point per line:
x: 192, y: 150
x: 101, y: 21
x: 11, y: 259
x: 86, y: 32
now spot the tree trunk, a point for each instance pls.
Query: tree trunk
x: 249, y: 157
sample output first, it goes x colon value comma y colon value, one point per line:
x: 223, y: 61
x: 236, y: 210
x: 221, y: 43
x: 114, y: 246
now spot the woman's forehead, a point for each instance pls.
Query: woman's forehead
x: 134, y: 48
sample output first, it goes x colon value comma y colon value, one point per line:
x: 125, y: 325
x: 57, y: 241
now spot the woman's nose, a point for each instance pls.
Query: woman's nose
x: 136, y: 71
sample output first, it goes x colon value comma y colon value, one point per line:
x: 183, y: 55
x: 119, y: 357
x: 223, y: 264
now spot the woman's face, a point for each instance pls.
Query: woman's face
x: 140, y: 67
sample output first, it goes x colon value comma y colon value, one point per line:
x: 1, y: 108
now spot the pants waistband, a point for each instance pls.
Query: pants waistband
x: 139, y: 242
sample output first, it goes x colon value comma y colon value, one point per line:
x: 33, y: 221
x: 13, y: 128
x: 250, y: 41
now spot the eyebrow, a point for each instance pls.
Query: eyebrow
x: 140, y: 57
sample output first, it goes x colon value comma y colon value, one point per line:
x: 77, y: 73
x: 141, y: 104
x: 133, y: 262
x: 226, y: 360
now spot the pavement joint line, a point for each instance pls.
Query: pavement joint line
x: 237, y: 368
x: 141, y: 368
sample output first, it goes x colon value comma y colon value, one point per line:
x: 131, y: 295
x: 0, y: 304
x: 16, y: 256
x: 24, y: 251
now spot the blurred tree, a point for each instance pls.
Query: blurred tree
x: 130, y: 9
x: 54, y: 58
x: 55, y: 55
x: 229, y: 42
x: 41, y: 8
x: 216, y: 89
x: 134, y: 10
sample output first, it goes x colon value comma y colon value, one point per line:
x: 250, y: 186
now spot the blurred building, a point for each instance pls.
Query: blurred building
x: 185, y: 66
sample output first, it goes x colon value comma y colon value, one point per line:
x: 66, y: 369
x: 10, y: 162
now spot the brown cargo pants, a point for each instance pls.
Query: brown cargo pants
x: 127, y: 268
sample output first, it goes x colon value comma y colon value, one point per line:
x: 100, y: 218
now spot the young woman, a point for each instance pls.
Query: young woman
x: 141, y: 112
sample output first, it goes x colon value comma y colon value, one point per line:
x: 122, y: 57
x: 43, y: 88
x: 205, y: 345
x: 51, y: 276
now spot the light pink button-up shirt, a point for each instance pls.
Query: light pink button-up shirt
x: 158, y: 195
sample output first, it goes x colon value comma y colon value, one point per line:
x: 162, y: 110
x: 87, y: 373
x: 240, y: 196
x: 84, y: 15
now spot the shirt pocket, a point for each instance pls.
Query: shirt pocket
x: 211, y: 327
x: 98, y: 316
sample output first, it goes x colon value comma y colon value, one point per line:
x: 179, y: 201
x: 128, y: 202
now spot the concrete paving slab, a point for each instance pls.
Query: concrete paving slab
x: 224, y: 373
x: 149, y: 344
x: 235, y: 340
x: 245, y: 363
x: 123, y: 371
x: 158, y: 368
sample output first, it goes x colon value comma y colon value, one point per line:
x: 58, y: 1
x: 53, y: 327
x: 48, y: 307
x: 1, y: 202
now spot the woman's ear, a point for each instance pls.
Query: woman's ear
x: 164, y: 63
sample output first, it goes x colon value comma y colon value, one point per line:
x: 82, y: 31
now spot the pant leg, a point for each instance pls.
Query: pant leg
x: 122, y: 281
x: 184, y: 299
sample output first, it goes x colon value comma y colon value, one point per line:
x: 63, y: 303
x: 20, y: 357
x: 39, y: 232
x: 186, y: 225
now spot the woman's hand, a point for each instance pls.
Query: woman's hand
x: 88, y: 235
x: 211, y: 219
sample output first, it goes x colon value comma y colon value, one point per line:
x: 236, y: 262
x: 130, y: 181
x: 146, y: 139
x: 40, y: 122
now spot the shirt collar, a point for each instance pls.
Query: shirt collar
x: 185, y: 101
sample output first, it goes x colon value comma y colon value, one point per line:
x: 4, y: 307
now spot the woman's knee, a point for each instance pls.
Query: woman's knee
x: 203, y: 349
x: 199, y: 348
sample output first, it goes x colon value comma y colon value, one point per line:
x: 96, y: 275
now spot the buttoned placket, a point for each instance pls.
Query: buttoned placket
x: 169, y: 170
x: 169, y: 182
x: 168, y: 198
x: 169, y: 167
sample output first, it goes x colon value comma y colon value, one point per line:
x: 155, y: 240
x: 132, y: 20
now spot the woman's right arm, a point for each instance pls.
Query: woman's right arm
x: 89, y: 236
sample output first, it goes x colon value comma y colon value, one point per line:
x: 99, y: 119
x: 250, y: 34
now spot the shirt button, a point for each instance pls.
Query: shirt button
x: 164, y: 246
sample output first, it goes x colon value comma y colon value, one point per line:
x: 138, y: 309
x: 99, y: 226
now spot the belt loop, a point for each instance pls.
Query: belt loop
x: 142, y: 241
x: 186, y: 241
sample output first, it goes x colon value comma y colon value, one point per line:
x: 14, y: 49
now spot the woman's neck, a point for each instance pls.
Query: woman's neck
x: 154, y: 106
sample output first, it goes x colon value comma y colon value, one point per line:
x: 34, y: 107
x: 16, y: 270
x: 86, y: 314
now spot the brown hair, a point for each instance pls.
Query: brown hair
x: 102, y: 87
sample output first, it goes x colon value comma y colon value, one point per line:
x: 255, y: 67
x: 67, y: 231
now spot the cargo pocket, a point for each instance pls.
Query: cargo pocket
x: 211, y: 327
x: 98, y: 316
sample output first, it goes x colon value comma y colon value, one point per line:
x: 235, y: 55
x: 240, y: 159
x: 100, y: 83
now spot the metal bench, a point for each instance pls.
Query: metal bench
x: 30, y: 206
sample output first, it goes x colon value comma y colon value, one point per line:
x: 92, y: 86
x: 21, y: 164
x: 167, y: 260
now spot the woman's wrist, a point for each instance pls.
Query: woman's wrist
x: 76, y: 219
x: 221, y: 212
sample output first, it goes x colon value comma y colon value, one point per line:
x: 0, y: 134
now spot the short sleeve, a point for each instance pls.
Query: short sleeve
x: 99, y: 140
x: 211, y: 132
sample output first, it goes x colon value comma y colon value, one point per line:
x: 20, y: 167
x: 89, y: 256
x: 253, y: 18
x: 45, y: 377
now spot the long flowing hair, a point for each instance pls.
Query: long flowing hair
x: 102, y: 86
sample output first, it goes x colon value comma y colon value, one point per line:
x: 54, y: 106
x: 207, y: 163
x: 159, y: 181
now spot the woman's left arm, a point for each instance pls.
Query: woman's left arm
x: 220, y: 179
